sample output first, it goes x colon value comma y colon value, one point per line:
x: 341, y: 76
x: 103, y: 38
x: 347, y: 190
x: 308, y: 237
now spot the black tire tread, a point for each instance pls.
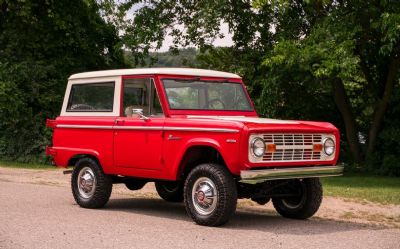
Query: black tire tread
x: 227, y: 194
x: 176, y: 196
x: 313, y: 202
x: 103, y: 185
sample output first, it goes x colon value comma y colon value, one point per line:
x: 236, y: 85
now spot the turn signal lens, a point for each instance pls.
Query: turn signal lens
x: 271, y: 148
x: 317, y: 147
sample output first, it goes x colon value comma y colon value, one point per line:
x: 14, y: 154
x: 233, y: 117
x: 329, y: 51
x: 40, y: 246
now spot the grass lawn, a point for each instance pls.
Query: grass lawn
x: 385, y: 190
x: 9, y: 164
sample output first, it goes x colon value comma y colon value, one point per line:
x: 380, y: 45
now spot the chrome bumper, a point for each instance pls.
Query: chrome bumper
x: 256, y: 176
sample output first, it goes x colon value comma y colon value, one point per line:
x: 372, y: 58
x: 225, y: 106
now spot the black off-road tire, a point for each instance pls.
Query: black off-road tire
x: 103, y: 186
x: 304, y: 206
x: 170, y: 191
x: 226, y: 192
x: 133, y: 184
x: 261, y: 200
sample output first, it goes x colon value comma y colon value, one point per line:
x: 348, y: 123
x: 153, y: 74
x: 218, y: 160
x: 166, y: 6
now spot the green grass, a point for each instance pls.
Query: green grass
x: 385, y: 190
x: 9, y: 164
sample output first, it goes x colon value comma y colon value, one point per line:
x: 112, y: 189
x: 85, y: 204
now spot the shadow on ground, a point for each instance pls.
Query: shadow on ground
x: 243, y: 219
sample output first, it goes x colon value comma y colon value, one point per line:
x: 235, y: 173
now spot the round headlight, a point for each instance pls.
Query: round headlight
x: 258, y: 146
x: 329, y: 146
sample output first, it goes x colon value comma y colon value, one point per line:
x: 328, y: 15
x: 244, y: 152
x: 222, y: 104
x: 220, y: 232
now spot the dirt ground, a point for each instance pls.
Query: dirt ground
x: 337, y: 209
x: 37, y: 210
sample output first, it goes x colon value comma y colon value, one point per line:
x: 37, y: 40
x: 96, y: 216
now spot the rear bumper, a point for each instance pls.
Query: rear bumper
x: 256, y: 176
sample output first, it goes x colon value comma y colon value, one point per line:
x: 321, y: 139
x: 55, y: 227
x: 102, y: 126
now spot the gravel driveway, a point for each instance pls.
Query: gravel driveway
x: 37, y: 210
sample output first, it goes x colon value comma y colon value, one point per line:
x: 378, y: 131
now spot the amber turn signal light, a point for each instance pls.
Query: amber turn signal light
x: 271, y: 148
x: 317, y: 147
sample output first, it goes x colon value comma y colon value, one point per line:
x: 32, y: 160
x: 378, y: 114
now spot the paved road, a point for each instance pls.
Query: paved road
x: 43, y: 216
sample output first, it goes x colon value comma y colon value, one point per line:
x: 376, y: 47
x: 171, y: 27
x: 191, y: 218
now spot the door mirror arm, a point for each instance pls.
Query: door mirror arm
x: 139, y: 112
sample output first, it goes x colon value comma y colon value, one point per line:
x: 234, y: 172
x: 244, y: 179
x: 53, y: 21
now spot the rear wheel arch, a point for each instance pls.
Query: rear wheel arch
x: 72, y: 161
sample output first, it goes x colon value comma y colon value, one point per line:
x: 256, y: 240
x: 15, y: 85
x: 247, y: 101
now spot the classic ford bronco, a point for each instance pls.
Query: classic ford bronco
x: 194, y: 133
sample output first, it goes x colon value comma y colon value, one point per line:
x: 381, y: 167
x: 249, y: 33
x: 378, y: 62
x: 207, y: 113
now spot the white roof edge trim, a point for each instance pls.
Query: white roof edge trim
x: 143, y: 71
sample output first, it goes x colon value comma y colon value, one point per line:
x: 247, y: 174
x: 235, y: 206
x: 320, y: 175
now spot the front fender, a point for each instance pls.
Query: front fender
x: 228, y: 151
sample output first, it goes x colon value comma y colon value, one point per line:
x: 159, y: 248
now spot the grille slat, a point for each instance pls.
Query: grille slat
x: 293, y: 147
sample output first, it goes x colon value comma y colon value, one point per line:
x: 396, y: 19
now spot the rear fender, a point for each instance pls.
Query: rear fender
x: 62, y: 155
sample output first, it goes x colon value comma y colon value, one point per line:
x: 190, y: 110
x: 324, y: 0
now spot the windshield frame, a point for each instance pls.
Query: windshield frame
x: 214, y: 80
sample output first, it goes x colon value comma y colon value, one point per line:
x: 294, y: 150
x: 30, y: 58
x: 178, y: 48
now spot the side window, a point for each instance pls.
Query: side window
x: 156, y: 109
x: 91, y: 97
x: 140, y: 93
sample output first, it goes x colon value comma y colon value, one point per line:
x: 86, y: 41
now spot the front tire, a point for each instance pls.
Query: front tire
x: 210, y: 195
x: 303, y: 206
x: 90, y: 186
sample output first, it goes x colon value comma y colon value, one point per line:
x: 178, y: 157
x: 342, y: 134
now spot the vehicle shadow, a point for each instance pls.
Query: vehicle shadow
x: 242, y: 220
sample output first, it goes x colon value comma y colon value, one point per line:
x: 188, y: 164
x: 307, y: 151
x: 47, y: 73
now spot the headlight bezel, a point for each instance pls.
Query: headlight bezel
x: 332, y: 146
x: 253, y: 142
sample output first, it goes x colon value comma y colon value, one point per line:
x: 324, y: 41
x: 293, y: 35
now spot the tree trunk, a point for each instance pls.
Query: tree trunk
x: 382, y: 105
x: 343, y: 104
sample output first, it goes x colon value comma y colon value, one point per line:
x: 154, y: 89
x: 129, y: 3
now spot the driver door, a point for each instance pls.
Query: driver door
x: 137, y: 139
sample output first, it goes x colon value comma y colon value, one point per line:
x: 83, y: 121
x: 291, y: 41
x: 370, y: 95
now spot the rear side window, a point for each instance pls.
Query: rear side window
x: 91, y: 97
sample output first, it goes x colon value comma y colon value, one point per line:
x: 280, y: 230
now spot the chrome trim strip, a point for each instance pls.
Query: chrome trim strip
x: 166, y: 128
x: 152, y: 128
x: 257, y: 176
x: 107, y: 127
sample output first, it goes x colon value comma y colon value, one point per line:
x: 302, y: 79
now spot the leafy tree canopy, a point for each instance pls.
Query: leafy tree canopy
x: 336, y: 60
x: 42, y: 42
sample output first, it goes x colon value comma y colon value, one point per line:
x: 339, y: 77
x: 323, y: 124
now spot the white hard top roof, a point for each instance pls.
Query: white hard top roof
x: 141, y: 71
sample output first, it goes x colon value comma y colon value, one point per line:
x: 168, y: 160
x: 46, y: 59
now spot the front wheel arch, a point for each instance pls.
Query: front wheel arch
x: 196, y: 155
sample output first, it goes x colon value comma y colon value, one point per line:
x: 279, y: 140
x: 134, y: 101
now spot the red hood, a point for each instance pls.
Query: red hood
x: 266, y: 124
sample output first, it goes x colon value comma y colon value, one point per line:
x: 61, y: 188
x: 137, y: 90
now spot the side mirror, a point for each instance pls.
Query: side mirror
x: 139, y: 112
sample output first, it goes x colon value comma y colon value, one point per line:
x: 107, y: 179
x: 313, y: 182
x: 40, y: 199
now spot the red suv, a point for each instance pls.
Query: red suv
x: 194, y: 133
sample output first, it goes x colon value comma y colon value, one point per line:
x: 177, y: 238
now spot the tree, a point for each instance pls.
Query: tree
x: 360, y: 62
x: 42, y: 42
x: 341, y: 55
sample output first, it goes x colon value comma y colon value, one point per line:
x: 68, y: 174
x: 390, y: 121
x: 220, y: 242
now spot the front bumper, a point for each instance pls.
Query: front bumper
x: 257, y: 176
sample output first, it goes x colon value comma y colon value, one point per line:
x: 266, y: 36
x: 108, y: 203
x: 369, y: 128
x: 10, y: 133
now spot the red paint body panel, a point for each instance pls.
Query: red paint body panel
x: 96, y: 142
x: 155, y: 148
x: 138, y: 149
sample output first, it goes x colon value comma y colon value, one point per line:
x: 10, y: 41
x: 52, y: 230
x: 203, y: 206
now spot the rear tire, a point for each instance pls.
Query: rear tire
x: 170, y: 191
x: 91, y: 188
x: 303, y: 206
x: 261, y: 200
x: 133, y: 184
x: 210, y: 195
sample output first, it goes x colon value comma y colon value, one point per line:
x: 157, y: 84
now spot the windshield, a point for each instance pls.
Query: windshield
x: 206, y: 95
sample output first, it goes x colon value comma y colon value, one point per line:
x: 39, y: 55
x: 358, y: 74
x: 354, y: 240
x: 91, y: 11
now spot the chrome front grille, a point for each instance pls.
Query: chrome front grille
x: 292, y: 147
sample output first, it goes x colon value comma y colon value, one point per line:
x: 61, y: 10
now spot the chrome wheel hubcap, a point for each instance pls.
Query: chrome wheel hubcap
x: 86, y: 182
x: 204, y: 196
